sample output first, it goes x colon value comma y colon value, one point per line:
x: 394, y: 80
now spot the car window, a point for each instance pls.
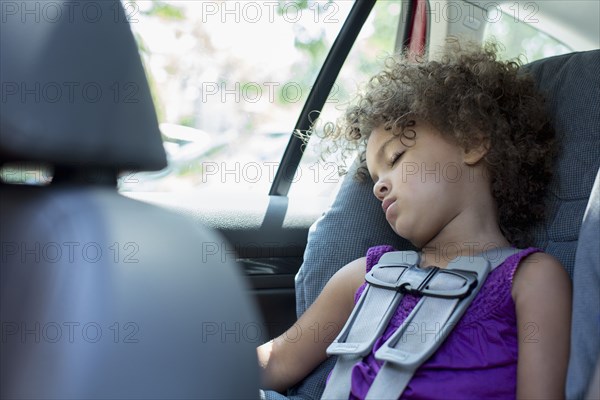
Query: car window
x: 317, y: 173
x: 522, y: 32
x: 229, y: 79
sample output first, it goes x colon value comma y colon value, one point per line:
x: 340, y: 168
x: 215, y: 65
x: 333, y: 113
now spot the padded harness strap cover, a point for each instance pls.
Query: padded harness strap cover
x: 447, y: 294
x: 364, y: 326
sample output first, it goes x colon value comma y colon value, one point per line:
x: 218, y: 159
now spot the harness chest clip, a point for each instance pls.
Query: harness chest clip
x: 415, y: 280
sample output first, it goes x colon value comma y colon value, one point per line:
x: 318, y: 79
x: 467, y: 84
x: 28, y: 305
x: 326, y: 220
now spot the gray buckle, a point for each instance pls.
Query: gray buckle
x: 415, y: 280
x: 474, y: 271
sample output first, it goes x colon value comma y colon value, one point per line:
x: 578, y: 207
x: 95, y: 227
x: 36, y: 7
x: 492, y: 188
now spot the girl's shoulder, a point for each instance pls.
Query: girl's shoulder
x: 539, y: 272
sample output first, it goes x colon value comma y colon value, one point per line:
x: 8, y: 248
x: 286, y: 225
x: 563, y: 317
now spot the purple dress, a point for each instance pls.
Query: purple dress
x: 478, y: 360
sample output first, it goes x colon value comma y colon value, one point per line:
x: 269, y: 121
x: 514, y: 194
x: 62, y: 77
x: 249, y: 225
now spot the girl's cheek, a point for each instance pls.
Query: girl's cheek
x: 409, y: 173
x: 421, y: 175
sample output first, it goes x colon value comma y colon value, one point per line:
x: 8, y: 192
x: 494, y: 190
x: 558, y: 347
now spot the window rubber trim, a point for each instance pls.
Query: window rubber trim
x: 318, y: 95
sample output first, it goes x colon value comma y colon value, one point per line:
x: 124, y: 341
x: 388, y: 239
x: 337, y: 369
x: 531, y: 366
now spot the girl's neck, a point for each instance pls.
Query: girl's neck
x: 468, y: 234
x: 441, y: 253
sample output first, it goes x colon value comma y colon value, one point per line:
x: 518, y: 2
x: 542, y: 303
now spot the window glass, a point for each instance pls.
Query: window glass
x: 229, y: 79
x: 317, y: 174
x: 521, y: 37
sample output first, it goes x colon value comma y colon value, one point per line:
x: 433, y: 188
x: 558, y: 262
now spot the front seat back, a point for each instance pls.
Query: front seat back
x: 102, y: 296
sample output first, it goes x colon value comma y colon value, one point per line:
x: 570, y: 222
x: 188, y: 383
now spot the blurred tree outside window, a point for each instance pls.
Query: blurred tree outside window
x: 229, y: 79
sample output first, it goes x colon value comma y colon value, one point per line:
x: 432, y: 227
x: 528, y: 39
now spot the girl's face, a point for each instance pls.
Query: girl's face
x: 423, y: 183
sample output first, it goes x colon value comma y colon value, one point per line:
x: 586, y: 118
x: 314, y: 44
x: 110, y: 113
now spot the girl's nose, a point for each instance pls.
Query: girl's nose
x: 381, y: 189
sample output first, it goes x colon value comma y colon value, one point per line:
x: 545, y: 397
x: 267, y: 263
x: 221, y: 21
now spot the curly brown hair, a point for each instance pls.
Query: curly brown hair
x: 471, y: 98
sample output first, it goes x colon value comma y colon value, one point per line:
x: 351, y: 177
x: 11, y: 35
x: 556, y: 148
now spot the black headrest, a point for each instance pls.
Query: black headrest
x: 74, y: 92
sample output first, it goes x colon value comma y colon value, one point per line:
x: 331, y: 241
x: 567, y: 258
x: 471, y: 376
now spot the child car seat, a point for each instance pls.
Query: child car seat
x: 571, y: 84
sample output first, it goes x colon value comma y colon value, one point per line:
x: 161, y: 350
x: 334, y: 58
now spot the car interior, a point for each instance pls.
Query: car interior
x: 119, y: 281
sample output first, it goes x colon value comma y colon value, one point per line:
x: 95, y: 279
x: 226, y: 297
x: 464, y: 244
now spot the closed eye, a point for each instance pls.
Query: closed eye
x: 395, y: 157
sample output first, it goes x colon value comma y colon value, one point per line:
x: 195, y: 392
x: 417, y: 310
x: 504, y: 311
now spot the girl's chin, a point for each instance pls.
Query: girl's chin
x: 406, y: 234
x: 403, y: 233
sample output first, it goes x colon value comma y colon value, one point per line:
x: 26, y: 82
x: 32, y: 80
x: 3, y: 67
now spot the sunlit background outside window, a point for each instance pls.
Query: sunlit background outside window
x: 229, y: 79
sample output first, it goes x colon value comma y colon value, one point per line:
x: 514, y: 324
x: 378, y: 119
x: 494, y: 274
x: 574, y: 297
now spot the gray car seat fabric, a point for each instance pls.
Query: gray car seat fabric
x: 355, y: 221
x: 343, y: 234
x: 585, y: 328
x: 102, y: 296
x: 571, y: 84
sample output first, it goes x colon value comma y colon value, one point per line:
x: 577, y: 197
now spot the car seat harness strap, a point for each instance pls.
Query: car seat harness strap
x: 446, y: 294
x: 368, y: 320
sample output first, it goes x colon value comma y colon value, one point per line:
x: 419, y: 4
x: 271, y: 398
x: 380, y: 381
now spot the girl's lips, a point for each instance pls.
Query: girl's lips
x: 387, y: 205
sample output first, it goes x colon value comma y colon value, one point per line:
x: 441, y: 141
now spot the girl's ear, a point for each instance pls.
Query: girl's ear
x: 473, y: 155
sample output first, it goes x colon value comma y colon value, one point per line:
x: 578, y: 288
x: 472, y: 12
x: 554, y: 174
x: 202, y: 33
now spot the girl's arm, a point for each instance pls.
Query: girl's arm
x: 290, y: 357
x: 542, y: 294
